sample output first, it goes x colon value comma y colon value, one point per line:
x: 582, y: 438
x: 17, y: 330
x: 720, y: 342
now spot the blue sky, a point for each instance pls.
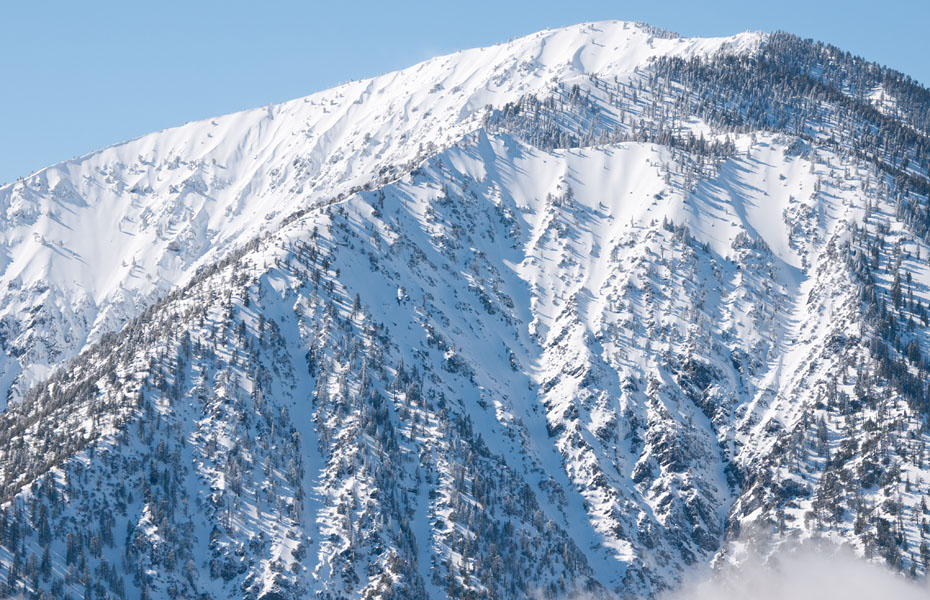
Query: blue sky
x: 81, y: 75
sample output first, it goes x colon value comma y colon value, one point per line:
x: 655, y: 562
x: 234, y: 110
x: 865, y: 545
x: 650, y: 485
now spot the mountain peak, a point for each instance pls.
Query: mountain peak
x: 573, y: 314
x: 163, y: 205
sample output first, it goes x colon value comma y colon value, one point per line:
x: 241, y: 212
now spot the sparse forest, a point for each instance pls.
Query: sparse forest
x: 567, y: 327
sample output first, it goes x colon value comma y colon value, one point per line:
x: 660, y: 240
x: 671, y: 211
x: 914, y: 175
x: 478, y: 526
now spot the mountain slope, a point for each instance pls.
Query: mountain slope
x: 657, y: 306
x: 89, y: 243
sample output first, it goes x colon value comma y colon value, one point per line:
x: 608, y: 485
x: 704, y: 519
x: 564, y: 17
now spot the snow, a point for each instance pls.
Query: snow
x: 161, y: 206
x: 610, y: 333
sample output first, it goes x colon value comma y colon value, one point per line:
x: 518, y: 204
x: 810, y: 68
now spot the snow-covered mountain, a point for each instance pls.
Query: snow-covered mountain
x: 88, y: 244
x: 573, y: 314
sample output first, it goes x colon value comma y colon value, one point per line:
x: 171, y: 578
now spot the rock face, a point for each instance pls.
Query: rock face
x: 570, y: 315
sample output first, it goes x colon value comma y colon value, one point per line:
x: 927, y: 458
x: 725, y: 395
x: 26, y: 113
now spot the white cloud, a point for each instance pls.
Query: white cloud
x: 807, y: 572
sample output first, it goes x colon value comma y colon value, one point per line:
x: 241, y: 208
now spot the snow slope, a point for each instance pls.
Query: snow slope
x: 88, y: 243
x: 584, y: 312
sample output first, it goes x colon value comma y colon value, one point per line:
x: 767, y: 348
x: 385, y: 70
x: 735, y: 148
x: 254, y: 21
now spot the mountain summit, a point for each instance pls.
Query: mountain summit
x: 96, y: 240
x: 574, y: 314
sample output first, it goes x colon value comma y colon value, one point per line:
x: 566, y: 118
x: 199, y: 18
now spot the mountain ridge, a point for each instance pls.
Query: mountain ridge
x: 612, y: 328
x: 184, y: 215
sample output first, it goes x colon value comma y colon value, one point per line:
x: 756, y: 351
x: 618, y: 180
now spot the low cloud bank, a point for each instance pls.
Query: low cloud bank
x: 808, y: 572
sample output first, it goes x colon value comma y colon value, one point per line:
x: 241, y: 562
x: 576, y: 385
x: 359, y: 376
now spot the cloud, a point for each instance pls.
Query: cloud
x: 805, y: 572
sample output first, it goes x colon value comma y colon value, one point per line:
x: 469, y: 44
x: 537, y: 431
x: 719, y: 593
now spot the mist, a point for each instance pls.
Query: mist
x: 806, y: 572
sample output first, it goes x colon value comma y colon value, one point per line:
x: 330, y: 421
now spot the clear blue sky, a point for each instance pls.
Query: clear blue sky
x: 80, y: 74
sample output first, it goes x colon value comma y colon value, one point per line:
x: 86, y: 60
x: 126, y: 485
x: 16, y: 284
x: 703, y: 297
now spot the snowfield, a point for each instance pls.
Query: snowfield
x: 95, y: 240
x: 576, y: 315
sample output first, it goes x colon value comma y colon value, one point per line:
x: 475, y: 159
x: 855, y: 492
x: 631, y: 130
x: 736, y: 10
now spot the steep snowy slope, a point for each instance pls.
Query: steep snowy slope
x: 87, y: 244
x: 393, y: 393
x: 634, y: 317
